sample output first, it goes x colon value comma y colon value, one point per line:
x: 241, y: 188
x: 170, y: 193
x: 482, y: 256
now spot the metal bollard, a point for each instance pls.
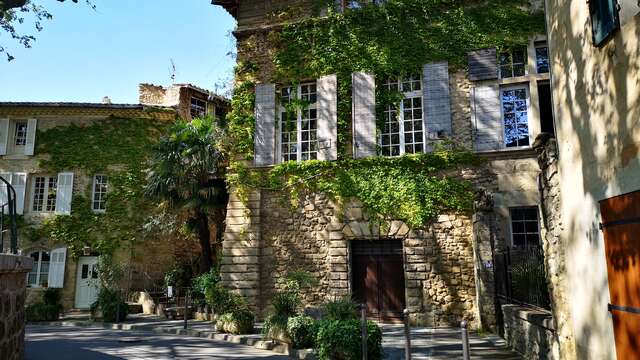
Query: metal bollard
x: 363, y: 316
x: 407, y: 335
x: 465, y: 341
x: 186, y: 308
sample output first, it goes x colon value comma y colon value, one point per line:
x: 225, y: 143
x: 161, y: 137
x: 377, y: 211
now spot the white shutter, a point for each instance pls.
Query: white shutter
x: 437, y: 106
x: 64, y: 193
x: 4, y: 197
x: 487, y: 117
x: 328, y: 118
x: 364, y: 115
x: 265, y: 132
x: 628, y: 10
x: 56, y: 267
x: 32, y: 124
x: 19, y: 182
x: 4, y: 136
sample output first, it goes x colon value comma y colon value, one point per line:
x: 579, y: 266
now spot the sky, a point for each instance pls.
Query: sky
x: 82, y: 55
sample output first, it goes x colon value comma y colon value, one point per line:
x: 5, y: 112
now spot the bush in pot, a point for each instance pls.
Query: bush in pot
x: 47, y: 310
x: 342, y: 340
x: 302, y: 331
x: 109, y: 306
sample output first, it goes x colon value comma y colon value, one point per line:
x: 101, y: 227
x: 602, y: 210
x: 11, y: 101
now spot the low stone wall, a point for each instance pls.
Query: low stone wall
x: 530, y: 332
x: 13, y: 285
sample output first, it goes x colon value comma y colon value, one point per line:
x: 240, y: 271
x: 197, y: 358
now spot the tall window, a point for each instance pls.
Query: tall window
x: 99, y: 193
x: 525, y: 229
x: 513, y: 63
x: 299, y: 126
x: 403, y: 131
x: 44, y: 193
x: 20, y: 134
x: 39, y: 274
x: 515, y: 107
x: 542, y: 57
x: 604, y: 19
x: 198, y: 108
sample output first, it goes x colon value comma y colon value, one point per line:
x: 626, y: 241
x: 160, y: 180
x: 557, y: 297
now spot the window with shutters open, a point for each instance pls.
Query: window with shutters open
x: 299, y: 128
x: 513, y: 63
x: 44, y: 193
x: 39, y: 274
x: 403, y: 131
x: 604, y: 19
x: 515, y: 116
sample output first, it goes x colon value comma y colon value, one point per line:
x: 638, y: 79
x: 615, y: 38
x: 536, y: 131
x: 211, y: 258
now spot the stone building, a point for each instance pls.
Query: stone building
x: 443, y: 272
x: 55, y: 184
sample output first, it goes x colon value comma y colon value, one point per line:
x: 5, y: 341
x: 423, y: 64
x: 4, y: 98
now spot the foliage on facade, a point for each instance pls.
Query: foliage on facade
x: 392, y: 39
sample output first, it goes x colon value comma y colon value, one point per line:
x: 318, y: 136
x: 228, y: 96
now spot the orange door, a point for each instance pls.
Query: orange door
x: 621, y: 227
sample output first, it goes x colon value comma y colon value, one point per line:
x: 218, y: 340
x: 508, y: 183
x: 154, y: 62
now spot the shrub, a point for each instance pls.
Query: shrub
x: 341, y: 340
x: 223, y: 301
x: 286, y: 303
x: 343, y: 309
x: 109, y: 306
x: 43, y: 312
x: 51, y: 296
x: 275, y: 327
x: 203, y: 284
x: 236, y: 322
x: 302, y: 331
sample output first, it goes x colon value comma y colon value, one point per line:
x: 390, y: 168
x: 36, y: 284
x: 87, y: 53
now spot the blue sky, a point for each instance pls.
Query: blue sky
x: 83, y: 55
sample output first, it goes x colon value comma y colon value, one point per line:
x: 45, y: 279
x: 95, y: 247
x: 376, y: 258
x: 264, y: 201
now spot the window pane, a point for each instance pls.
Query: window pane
x: 20, y: 135
x: 542, y: 60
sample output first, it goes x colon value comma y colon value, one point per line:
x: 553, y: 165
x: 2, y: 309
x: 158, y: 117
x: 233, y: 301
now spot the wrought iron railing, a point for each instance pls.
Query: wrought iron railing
x: 521, y: 277
x: 8, y: 225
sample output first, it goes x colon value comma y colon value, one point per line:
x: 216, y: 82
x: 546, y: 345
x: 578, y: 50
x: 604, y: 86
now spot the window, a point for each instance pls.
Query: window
x: 39, y: 274
x: 99, y: 198
x: 513, y: 63
x: 299, y: 127
x: 546, y: 110
x: 20, y: 133
x: 515, y: 106
x: 198, y: 108
x: 44, y: 193
x: 604, y: 19
x: 356, y: 4
x: 403, y: 131
x: 525, y: 230
x: 542, y: 57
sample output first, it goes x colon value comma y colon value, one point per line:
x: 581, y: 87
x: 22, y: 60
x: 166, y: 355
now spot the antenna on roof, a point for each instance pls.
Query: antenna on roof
x: 172, y: 71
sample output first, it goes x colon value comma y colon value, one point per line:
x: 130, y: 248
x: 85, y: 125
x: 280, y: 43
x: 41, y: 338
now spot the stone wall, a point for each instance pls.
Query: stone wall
x: 554, y: 249
x: 13, y: 277
x: 530, y: 332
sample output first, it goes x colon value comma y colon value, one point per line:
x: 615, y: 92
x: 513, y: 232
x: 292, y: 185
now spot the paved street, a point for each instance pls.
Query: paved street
x: 88, y: 343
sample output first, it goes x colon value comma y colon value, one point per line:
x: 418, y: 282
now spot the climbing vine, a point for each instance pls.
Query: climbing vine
x: 393, y: 39
x: 118, y: 148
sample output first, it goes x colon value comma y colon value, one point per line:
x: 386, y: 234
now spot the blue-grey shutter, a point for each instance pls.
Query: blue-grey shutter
x: 437, y: 105
x: 265, y: 131
x: 487, y: 117
x: 604, y: 19
x: 31, y: 136
x: 4, y: 136
x: 327, y: 117
x: 483, y: 64
x: 364, y: 115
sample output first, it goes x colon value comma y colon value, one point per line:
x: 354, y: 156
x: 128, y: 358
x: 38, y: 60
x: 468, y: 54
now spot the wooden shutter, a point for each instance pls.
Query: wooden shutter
x: 265, y: 133
x: 4, y: 197
x: 56, y: 267
x: 487, y: 117
x: 364, y: 115
x: 437, y: 106
x: 327, y: 118
x: 4, y: 136
x: 483, y: 64
x: 31, y: 136
x: 64, y: 193
x: 19, y: 182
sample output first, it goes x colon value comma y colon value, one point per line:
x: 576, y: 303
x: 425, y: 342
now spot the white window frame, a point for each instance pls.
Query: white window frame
x: 299, y: 118
x: 102, y: 199
x: 511, y: 64
x: 511, y: 233
x: 201, y: 111
x: 524, y: 86
x: 37, y: 266
x: 413, y: 94
x: 14, y: 137
x: 46, y: 191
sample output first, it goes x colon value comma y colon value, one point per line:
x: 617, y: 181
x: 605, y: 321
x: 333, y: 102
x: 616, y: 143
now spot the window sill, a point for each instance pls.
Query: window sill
x: 508, y: 153
x: 14, y: 156
x: 523, y: 79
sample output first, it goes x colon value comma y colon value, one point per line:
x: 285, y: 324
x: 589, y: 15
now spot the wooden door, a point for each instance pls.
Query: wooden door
x: 621, y: 227
x: 378, y: 278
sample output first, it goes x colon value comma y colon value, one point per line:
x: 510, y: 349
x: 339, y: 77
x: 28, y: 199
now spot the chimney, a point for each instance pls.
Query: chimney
x: 106, y: 100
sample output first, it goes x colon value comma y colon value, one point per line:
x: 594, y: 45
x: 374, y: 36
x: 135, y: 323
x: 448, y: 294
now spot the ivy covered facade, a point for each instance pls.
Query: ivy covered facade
x: 386, y: 148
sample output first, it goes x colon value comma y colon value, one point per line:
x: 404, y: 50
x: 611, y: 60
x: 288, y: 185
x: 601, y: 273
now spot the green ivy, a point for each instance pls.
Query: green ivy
x: 118, y: 148
x: 392, y: 39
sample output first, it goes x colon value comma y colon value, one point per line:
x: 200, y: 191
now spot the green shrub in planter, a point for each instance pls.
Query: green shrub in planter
x: 236, y: 322
x: 275, y: 327
x: 302, y: 331
x: 109, y: 306
x: 43, y: 312
x: 343, y: 309
x: 341, y: 340
x: 52, y: 296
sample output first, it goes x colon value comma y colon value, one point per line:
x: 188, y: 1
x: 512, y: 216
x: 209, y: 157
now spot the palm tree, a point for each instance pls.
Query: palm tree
x: 187, y: 171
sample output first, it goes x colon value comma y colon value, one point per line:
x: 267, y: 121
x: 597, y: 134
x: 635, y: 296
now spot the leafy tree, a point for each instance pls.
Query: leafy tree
x: 12, y: 12
x: 187, y: 172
